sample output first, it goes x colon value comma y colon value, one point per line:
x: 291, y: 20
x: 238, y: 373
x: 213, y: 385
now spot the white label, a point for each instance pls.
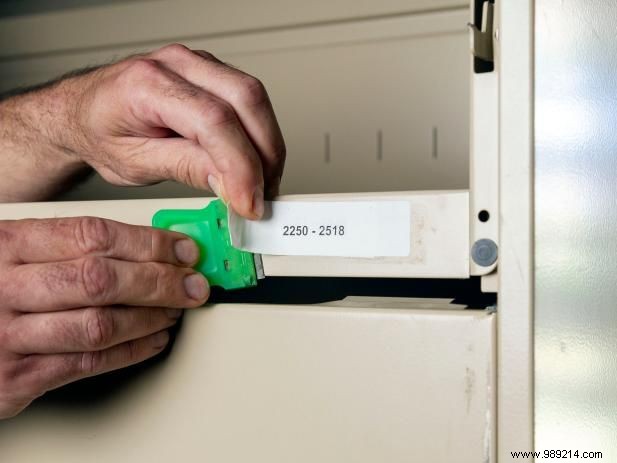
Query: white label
x: 339, y: 229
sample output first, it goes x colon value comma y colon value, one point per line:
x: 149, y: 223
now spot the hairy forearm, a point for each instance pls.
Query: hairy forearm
x: 36, y: 158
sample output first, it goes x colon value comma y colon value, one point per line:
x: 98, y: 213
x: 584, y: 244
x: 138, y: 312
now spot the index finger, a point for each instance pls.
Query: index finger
x: 168, y: 100
x: 53, y: 240
x: 245, y: 93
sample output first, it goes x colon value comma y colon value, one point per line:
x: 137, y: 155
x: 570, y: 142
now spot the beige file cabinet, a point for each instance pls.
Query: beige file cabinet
x: 346, y: 383
x: 362, y: 380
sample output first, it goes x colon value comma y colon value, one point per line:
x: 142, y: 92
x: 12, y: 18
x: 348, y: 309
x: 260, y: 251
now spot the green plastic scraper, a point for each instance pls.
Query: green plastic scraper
x: 221, y: 263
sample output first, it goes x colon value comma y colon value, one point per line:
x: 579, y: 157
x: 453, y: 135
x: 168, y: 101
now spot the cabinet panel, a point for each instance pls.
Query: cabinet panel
x: 439, y: 232
x: 369, y: 105
x: 287, y: 384
x: 172, y: 20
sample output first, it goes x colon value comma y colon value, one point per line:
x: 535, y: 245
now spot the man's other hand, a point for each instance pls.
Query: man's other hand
x: 83, y: 296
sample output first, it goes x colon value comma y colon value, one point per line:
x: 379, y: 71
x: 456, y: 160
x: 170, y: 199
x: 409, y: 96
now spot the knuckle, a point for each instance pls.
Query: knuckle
x: 98, y: 279
x: 208, y: 56
x: 183, y: 171
x: 98, y: 327
x: 93, y: 235
x: 218, y: 113
x: 132, y: 352
x: 250, y: 91
x: 138, y: 77
x: 92, y: 362
x: 156, y: 243
x: 142, y: 68
x: 162, y: 281
x: 159, y: 277
x: 136, y: 170
x: 174, y: 49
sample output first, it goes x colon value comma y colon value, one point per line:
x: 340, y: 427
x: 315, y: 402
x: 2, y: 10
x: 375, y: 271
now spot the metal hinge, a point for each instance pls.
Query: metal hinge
x: 482, y: 35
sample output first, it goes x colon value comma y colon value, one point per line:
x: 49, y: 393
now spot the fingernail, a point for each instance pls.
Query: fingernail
x: 215, y: 185
x: 174, y: 313
x: 196, y: 287
x: 186, y: 251
x: 160, y: 339
x: 258, y: 202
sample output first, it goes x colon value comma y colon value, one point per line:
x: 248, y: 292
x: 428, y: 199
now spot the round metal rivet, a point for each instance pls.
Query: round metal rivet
x: 484, y: 252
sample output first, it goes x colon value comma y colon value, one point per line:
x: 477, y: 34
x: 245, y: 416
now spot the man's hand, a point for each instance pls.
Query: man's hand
x: 172, y: 114
x: 65, y: 288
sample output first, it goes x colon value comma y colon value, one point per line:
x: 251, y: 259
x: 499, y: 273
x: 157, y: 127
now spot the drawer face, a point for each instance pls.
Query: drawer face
x: 287, y: 384
x: 439, y: 232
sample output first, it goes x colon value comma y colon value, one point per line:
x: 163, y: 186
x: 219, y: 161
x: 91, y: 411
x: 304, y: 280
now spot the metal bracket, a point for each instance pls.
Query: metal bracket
x: 482, y: 33
x: 484, y: 140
